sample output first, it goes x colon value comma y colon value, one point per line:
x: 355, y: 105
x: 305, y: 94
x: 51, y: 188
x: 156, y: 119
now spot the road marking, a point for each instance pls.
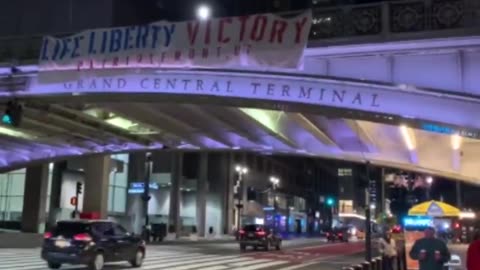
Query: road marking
x: 262, y: 265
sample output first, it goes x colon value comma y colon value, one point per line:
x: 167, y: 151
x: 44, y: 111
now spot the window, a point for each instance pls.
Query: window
x: 344, y: 172
x: 12, y: 187
x: 118, y: 185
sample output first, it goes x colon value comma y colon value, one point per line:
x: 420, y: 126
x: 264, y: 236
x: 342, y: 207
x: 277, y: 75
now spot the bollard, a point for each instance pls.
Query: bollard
x: 373, y: 264
x: 379, y: 263
x: 358, y: 267
x: 366, y: 266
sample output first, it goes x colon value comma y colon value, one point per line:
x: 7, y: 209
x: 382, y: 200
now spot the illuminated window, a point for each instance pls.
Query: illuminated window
x: 344, y: 172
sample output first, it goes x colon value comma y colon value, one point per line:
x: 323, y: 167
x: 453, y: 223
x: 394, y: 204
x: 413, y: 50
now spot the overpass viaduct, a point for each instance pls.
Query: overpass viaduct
x: 392, y: 83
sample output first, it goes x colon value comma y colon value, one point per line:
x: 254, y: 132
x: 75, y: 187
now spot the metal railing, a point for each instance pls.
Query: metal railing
x: 384, y: 21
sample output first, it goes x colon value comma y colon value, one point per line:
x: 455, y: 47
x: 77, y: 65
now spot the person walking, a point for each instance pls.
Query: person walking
x: 388, y: 249
x: 431, y: 253
x: 473, y: 252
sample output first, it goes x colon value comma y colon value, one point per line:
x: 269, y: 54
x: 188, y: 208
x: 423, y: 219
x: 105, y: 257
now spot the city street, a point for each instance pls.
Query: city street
x: 318, y: 256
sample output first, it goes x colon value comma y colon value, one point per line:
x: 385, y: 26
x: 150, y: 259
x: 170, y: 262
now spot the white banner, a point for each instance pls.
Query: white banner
x: 263, y: 40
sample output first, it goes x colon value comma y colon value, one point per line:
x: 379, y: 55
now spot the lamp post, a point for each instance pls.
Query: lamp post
x: 275, y: 182
x: 429, y: 183
x: 238, y: 191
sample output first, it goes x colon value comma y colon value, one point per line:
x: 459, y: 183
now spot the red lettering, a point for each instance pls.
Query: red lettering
x: 278, y: 30
x: 115, y: 61
x: 207, y: 32
x: 236, y: 50
x: 243, y: 22
x: 192, y: 30
x: 258, y: 31
x: 127, y: 60
x: 205, y: 53
x: 139, y: 58
x: 178, y: 54
x: 299, y: 26
x: 221, y: 37
x: 79, y: 65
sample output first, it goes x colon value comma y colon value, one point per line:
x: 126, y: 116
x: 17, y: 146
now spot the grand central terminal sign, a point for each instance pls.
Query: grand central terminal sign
x: 265, y: 86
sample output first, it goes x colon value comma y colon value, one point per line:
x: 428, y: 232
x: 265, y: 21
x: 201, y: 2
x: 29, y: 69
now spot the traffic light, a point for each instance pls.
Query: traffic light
x: 330, y: 201
x: 13, y: 114
x: 79, y: 187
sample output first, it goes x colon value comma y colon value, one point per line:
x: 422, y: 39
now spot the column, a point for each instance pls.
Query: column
x: 229, y: 202
x: 97, y: 176
x: 135, y: 208
x: 175, y: 193
x: 201, y: 206
x: 35, y: 198
x: 56, y: 191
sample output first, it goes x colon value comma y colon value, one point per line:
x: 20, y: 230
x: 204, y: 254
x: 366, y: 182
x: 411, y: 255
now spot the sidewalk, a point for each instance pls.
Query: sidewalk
x: 20, y: 240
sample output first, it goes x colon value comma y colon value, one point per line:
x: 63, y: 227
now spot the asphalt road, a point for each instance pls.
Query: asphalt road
x: 302, y: 255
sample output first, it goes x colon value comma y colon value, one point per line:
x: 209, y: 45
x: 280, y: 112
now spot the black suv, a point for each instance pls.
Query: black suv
x: 259, y: 236
x: 92, y: 243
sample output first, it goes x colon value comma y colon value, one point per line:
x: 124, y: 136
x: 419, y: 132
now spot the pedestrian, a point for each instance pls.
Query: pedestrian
x: 431, y: 253
x: 388, y: 249
x: 473, y: 253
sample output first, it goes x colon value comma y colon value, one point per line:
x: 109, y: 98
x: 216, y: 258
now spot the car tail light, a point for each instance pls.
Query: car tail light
x: 47, y: 235
x: 261, y: 233
x: 84, y: 237
x: 340, y: 234
x: 241, y: 232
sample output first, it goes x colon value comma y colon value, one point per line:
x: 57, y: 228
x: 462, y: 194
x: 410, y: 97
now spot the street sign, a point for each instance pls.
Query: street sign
x: 73, y: 201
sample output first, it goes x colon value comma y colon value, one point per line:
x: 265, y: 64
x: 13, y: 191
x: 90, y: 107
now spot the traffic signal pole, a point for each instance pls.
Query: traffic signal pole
x: 146, y: 196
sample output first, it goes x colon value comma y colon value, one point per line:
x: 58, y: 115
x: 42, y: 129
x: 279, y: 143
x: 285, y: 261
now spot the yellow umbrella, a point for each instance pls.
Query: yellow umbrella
x: 434, y: 209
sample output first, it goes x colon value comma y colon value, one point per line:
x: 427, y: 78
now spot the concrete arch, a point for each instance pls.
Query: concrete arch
x: 296, y: 95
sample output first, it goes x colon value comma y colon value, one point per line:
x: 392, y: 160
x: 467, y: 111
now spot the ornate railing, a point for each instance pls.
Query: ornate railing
x: 395, y: 18
x: 392, y: 20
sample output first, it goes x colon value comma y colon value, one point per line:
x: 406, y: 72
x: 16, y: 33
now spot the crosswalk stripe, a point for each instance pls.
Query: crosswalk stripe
x: 262, y: 265
x: 177, y: 259
x: 218, y: 267
x: 193, y: 266
x: 181, y: 262
x: 249, y: 262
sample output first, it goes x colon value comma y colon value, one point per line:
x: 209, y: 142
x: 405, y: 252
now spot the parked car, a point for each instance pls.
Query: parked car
x: 92, y: 243
x: 259, y: 236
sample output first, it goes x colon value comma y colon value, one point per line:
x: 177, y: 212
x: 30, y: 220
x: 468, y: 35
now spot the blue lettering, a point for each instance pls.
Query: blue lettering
x: 104, y: 42
x: 56, y: 49
x: 44, y: 56
x: 168, y: 34
x: 156, y: 30
x: 128, y: 38
x: 115, y: 40
x: 142, y: 35
x: 76, y: 42
x: 65, y: 48
x: 91, y: 43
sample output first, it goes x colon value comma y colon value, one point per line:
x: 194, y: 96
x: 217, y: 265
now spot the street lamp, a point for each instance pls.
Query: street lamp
x: 238, y: 190
x: 204, y: 12
x: 429, y: 180
x: 275, y: 181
